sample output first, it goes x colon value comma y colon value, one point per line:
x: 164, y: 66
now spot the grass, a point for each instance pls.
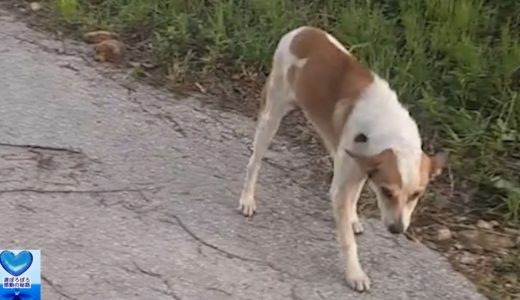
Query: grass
x: 451, y: 61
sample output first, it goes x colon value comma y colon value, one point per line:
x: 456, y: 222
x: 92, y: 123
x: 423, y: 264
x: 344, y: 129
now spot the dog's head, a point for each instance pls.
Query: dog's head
x: 399, y: 179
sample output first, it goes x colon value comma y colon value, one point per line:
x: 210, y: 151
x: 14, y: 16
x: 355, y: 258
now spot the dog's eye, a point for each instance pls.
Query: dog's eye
x: 387, y: 192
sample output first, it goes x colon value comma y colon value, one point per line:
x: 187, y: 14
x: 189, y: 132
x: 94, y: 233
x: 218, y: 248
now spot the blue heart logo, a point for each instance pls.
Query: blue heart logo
x: 16, y: 264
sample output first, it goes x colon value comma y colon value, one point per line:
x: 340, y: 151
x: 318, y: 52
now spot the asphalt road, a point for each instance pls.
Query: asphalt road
x: 132, y: 194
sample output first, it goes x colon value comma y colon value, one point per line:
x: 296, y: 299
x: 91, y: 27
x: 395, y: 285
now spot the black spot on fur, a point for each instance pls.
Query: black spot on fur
x: 361, y: 138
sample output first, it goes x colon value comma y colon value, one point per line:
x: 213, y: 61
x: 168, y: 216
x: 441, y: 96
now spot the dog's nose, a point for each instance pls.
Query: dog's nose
x: 396, y: 228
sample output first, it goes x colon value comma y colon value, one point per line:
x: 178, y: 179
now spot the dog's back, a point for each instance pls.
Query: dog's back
x: 321, y: 77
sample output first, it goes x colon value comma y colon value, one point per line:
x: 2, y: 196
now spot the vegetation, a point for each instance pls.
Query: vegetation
x: 452, y: 61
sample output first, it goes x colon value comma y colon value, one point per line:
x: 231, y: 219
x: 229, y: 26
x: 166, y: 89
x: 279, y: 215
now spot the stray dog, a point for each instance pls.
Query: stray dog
x: 362, y: 124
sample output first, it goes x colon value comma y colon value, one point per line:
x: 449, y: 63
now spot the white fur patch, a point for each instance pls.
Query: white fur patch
x: 283, y: 55
x: 284, y: 58
x: 380, y: 116
x: 408, y: 163
x: 387, y: 124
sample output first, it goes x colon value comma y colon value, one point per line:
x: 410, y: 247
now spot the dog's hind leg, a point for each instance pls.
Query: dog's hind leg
x: 276, y: 103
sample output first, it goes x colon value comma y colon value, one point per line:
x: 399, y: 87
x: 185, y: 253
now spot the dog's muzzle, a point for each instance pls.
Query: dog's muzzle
x: 396, y: 228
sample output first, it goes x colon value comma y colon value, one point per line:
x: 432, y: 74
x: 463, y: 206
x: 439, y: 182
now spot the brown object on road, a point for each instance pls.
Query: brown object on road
x: 109, y: 51
x: 95, y: 37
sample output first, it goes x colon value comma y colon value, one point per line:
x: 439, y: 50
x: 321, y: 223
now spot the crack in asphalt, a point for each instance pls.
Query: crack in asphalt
x: 218, y: 120
x: 203, y: 242
x: 285, y: 171
x: 42, y: 191
x: 294, y: 296
x: 167, y: 293
x: 39, y: 147
x: 225, y: 252
x: 62, y: 51
x: 164, y: 117
x: 26, y: 208
x: 140, y: 270
x: 219, y: 290
x: 57, y: 288
x: 139, y: 209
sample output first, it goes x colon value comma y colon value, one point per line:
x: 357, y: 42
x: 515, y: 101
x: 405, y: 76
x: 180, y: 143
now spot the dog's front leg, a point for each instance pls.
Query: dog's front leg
x: 347, y: 181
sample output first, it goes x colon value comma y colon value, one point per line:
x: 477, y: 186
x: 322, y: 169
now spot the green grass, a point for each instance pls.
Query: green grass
x: 451, y: 61
x: 68, y: 9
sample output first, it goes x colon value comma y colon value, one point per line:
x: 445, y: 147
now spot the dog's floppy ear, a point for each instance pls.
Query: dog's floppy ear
x: 438, y: 162
x: 369, y: 164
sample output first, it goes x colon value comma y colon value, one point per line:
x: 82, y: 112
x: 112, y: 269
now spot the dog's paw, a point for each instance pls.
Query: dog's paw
x: 247, y: 206
x: 357, y: 227
x: 358, y: 280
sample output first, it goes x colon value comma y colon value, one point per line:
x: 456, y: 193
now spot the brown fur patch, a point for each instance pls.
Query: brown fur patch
x: 328, y: 77
x: 387, y: 171
x: 382, y: 168
x: 432, y: 166
x: 425, y: 169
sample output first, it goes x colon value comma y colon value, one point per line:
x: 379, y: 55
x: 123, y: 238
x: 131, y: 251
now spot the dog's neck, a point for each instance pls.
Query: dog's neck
x: 380, y: 116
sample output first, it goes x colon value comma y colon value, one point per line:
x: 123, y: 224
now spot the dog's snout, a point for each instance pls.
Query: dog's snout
x: 396, y: 228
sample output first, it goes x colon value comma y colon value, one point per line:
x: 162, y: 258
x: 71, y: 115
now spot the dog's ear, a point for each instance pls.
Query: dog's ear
x: 370, y: 164
x: 438, y: 162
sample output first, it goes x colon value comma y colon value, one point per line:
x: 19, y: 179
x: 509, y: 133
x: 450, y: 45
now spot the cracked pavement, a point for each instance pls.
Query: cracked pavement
x: 131, y: 193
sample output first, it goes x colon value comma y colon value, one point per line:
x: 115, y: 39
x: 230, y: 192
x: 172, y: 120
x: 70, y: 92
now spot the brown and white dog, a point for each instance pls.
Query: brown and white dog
x: 366, y: 130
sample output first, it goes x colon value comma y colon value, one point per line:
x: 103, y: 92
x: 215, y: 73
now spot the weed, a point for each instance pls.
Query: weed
x: 513, y: 206
x: 67, y: 9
